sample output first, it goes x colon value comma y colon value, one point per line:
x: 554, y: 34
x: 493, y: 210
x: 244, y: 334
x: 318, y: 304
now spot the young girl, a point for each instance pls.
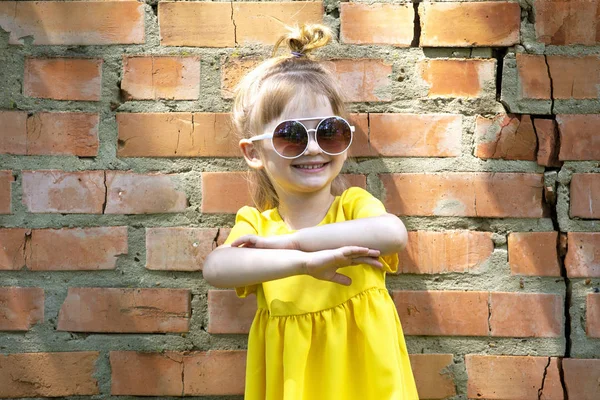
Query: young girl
x: 315, y: 255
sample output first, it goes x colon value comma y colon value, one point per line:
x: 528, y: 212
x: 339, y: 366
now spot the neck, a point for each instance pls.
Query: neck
x: 303, y: 210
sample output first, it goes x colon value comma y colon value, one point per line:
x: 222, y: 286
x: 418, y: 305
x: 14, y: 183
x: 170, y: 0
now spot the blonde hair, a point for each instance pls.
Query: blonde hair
x: 262, y: 95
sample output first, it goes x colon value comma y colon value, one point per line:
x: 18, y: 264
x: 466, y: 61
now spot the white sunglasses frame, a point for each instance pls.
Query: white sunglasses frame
x: 269, y: 135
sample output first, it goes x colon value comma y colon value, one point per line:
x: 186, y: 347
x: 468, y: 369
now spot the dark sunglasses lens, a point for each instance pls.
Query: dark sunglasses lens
x: 334, y: 135
x: 290, y: 138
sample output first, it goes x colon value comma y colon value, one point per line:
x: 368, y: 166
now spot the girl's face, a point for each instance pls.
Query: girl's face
x: 312, y: 171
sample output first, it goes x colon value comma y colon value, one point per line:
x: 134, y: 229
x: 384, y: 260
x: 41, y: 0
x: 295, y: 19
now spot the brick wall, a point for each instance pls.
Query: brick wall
x: 478, y: 125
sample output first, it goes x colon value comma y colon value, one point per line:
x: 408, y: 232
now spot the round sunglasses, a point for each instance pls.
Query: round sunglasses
x: 290, y: 137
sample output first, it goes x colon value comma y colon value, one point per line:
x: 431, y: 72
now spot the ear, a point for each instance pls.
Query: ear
x: 251, y: 154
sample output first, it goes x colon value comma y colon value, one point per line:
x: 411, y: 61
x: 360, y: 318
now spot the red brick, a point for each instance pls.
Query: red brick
x: 547, y: 136
x: 154, y: 77
x: 54, y: 191
x: 567, y: 22
x: 579, y: 136
x: 585, y: 196
x: 63, y: 134
x: 533, y: 253
x: 207, y: 24
x: 582, y: 377
x: 6, y: 179
x: 48, y: 374
x: 13, y: 135
x: 533, y: 77
x: 360, y: 141
x: 180, y: 249
x: 76, y: 249
x: 73, y: 22
x: 12, y: 248
x: 146, y: 374
x: 432, y: 377
x: 470, y: 24
x: 512, y: 377
x: 472, y: 194
x: 431, y: 252
x: 416, y: 135
x: 458, y: 78
x: 63, y: 78
x: 583, y: 255
x: 526, y: 314
x: 575, y: 77
x: 363, y: 79
x: 215, y: 373
x: 229, y: 314
x: 355, y: 180
x: 130, y: 193
x: 593, y: 315
x: 506, y: 136
x: 442, y: 313
x: 125, y: 310
x: 21, y: 308
x: 377, y: 24
x: 176, y: 135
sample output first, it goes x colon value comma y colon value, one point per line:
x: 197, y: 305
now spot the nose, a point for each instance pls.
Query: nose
x: 312, y: 147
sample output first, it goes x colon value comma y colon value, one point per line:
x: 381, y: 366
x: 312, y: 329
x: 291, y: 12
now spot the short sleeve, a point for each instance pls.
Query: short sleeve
x: 358, y: 203
x: 246, y: 220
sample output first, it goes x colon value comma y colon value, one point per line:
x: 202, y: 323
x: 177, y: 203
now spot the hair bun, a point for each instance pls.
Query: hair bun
x: 303, y: 39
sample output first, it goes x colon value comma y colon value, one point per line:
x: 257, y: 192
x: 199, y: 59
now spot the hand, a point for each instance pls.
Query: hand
x: 270, y: 242
x: 325, y: 263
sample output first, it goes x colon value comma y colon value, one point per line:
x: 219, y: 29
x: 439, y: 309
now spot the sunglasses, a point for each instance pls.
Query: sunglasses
x: 290, y: 137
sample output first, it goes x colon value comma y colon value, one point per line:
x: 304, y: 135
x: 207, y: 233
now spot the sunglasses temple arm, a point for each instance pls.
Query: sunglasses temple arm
x: 261, y: 137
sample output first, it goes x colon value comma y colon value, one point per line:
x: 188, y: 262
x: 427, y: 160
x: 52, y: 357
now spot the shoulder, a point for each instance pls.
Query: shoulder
x: 254, y: 217
x: 358, y: 203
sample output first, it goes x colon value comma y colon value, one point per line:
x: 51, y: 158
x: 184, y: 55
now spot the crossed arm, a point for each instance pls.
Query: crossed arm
x: 317, y: 251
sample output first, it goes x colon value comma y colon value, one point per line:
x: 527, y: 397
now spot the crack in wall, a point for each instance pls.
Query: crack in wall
x: 416, y: 42
x: 541, y: 389
x: 234, y: 25
x: 105, y: 194
x: 551, y: 85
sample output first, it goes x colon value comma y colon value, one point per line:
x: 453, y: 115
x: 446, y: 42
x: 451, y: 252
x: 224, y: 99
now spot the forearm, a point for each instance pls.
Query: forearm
x: 228, y: 267
x: 385, y: 233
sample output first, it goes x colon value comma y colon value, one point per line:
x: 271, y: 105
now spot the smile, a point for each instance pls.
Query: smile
x: 310, y: 166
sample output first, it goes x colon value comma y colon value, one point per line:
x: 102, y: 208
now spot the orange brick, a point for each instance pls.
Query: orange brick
x: 176, y: 135
x: 579, y: 136
x: 582, y: 377
x: 432, y: 377
x: 533, y: 253
x: 22, y: 307
x: 506, y: 136
x: 63, y: 78
x: 63, y: 134
x: 48, y: 374
x: 363, y: 79
x: 180, y: 249
x: 526, y: 314
x: 12, y: 246
x: 215, y: 373
x: 229, y: 314
x: 548, y: 148
x: 583, y: 255
x: 356, y: 180
x: 430, y: 252
x: 232, y: 71
x: 473, y: 194
x: 13, y: 135
x: 512, y: 377
x: 72, y: 249
x: 442, y: 313
x: 459, y: 78
x: 130, y: 193
x: 377, y: 24
x: 567, y: 22
x: 585, y: 196
x: 416, y: 135
x: 575, y: 77
x: 593, y: 315
x: 73, y: 22
x: 125, y: 310
x: 154, y: 77
x: 54, y: 191
x: 493, y: 23
x: 6, y: 179
x: 533, y: 77
x: 360, y: 141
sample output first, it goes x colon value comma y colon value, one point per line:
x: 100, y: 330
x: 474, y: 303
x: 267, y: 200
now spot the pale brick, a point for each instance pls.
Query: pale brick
x: 533, y: 253
x: 13, y: 135
x: 229, y: 314
x: 458, y: 77
x: 579, y: 139
x: 377, y: 23
x: 21, y: 308
x: 585, y: 196
x: 583, y: 255
x: 506, y: 136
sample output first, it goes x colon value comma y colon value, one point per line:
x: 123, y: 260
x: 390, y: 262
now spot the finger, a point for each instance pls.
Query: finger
x: 353, y: 251
x: 374, y: 253
x: 374, y: 262
x: 244, y: 240
x: 341, y: 279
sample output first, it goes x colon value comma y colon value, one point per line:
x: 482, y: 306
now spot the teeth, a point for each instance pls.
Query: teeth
x: 312, y: 166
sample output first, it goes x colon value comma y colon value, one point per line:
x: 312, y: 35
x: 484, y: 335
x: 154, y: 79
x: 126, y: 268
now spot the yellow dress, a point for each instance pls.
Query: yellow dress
x: 312, y: 339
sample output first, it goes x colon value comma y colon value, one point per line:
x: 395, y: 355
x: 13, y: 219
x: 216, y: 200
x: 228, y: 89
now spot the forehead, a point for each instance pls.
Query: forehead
x: 307, y: 105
